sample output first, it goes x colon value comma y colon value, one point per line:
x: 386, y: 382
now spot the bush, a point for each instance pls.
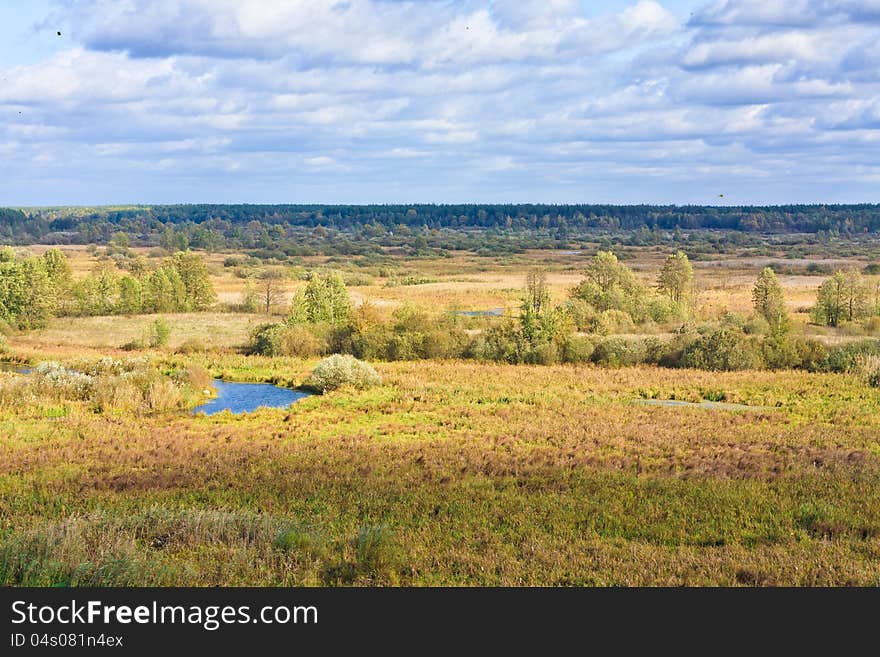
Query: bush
x: 655, y: 350
x: 133, y: 345
x: 266, y: 340
x: 846, y: 358
x: 869, y: 369
x: 811, y: 354
x: 160, y: 333
x: 577, y: 349
x: 191, y: 346
x: 543, y: 353
x: 662, y: 309
x: 724, y: 349
x: 301, y: 540
x: 301, y: 341
x: 618, y: 352
x: 339, y: 370
x: 780, y: 351
x: 872, y: 325
x: 581, y: 314
x: 615, y: 321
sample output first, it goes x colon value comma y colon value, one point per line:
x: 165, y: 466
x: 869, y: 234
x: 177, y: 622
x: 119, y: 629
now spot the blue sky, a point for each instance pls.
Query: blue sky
x: 361, y: 101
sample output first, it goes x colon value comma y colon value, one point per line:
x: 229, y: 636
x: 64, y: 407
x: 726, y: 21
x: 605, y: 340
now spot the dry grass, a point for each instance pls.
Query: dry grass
x: 457, y: 473
x: 483, y: 474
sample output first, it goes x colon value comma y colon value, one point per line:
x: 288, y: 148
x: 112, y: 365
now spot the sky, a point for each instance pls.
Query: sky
x: 726, y: 102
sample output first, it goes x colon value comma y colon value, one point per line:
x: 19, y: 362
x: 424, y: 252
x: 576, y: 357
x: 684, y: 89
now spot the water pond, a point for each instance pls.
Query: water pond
x: 492, y: 312
x: 247, y: 397
x: 720, y: 406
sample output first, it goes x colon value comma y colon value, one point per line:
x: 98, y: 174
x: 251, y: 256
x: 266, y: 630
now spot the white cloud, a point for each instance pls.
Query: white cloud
x: 504, y: 100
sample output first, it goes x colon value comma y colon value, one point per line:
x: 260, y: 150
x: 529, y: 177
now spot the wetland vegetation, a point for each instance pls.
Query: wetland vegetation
x: 653, y: 403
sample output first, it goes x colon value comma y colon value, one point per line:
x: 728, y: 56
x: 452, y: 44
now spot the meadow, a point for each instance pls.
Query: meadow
x: 450, y: 472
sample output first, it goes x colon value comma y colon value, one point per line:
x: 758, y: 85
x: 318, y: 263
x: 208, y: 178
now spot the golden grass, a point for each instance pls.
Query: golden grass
x: 484, y: 474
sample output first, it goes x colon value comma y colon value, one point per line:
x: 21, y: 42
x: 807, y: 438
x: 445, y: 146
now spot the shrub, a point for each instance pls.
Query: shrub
x: 160, y: 333
x: 811, y: 354
x: 846, y: 357
x: 780, y: 351
x: 191, y: 346
x: 133, y: 345
x: 869, y: 369
x: 615, y: 321
x: 300, y: 340
x: 724, y: 349
x: 444, y: 342
x: 581, y: 314
x: 266, y: 340
x: 662, y: 309
x: 543, y: 353
x: 197, y: 377
x: 872, y: 325
x: 655, y: 350
x: 339, y: 370
x: 577, y: 349
x: 618, y: 351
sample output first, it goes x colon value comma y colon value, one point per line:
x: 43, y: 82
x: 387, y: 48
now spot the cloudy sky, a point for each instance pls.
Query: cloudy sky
x: 349, y: 101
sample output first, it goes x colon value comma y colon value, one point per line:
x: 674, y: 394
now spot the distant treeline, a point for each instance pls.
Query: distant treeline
x: 256, y: 226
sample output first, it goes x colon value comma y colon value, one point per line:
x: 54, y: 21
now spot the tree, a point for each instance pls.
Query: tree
x: 60, y: 278
x: 536, y: 296
x: 165, y: 291
x: 768, y: 299
x: 250, y: 298
x: 843, y: 297
x: 131, y: 300
x: 270, y: 287
x: 676, y: 278
x: 323, y: 299
x: 198, y: 291
x: 610, y: 285
x: 855, y: 295
x: 26, y: 293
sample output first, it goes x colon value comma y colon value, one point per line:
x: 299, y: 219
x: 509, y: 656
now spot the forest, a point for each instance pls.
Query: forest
x: 270, y: 226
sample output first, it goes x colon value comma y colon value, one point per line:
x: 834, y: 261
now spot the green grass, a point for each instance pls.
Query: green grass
x: 453, y: 473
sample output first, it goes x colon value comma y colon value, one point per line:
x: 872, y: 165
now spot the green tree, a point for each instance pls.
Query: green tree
x: 843, y: 297
x: 106, y: 289
x: 26, y: 293
x: 131, y: 301
x: 676, y: 278
x: 768, y: 299
x: 198, y: 290
x: 165, y: 291
x: 610, y: 285
x: 323, y: 299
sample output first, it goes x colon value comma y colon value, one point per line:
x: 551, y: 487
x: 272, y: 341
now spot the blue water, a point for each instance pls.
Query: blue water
x: 494, y: 312
x: 247, y: 397
x: 721, y: 406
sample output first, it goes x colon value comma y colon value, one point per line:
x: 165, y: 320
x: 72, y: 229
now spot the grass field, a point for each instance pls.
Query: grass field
x: 450, y: 472
x: 456, y: 473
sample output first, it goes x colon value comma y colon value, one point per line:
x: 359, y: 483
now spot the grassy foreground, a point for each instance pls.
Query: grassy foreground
x: 454, y: 473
